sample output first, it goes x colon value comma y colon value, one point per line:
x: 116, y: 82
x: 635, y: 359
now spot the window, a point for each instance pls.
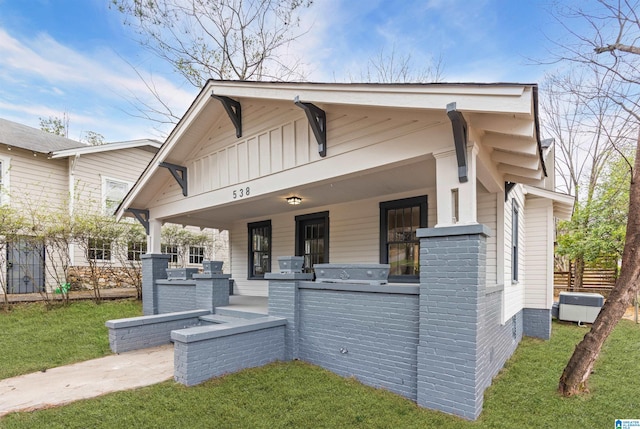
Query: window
x: 113, y: 192
x: 99, y: 249
x: 135, y: 250
x: 312, y: 239
x: 259, y: 249
x: 399, y: 244
x: 514, y: 240
x: 196, y: 254
x: 172, y: 251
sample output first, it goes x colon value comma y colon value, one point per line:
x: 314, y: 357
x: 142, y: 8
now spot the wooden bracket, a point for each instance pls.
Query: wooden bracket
x: 318, y: 122
x: 142, y: 216
x: 234, y: 110
x: 179, y: 173
x: 460, y: 136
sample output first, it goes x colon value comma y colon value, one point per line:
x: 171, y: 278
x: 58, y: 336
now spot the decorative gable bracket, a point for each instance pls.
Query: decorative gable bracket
x: 234, y: 110
x: 179, y: 173
x: 318, y: 122
x: 142, y: 216
x: 460, y: 137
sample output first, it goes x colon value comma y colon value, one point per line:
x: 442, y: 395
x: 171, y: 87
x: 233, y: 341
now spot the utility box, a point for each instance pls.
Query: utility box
x: 580, y: 306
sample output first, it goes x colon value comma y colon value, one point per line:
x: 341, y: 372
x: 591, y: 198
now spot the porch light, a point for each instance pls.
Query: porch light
x: 294, y: 201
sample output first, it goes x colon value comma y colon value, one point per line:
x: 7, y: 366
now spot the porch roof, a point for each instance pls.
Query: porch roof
x: 502, y: 116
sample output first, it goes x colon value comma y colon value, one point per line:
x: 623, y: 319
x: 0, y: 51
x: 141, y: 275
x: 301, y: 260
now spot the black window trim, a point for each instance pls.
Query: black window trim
x: 421, y: 201
x: 324, y: 215
x: 250, y: 227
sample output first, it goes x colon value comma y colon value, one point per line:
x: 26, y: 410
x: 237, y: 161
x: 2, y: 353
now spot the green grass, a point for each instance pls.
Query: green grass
x: 299, y: 395
x: 34, y: 338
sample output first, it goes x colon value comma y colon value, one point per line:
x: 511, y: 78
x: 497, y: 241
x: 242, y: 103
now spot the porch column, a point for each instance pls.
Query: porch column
x: 456, y: 201
x: 154, y: 267
x: 212, y: 290
x: 452, y: 291
x: 153, y: 239
x: 283, y: 302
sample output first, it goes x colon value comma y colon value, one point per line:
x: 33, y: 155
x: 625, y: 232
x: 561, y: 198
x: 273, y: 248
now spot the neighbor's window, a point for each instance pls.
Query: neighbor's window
x: 399, y: 244
x: 113, y: 192
x: 514, y: 239
x: 135, y: 250
x: 259, y: 249
x: 99, y: 249
x: 172, y: 251
x: 196, y: 254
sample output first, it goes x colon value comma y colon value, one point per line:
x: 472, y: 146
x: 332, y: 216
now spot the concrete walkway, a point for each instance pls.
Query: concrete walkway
x: 61, y: 385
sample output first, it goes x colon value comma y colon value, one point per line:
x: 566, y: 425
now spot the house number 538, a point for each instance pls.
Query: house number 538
x: 241, y: 193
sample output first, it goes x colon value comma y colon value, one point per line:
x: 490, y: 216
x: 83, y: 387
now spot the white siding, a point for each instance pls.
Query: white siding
x: 124, y: 165
x: 282, y: 141
x: 36, y: 182
x: 539, y: 263
x: 354, y: 236
x: 487, y: 216
x: 514, y: 291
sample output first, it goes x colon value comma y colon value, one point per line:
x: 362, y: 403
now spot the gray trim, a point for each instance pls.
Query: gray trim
x: 359, y: 287
x: 449, y: 231
x: 208, y: 332
x: 156, y: 318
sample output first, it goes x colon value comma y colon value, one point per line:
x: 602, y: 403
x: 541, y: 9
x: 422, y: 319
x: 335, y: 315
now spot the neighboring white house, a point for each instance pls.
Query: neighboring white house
x: 371, y: 173
x: 42, y: 171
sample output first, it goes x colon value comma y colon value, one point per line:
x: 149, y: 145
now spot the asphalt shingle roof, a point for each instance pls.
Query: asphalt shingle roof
x: 21, y: 136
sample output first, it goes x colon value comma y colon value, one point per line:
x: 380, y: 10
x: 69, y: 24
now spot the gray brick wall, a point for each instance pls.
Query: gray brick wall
x: 148, y: 331
x: 210, y: 351
x: 497, y: 341
x: 153, y: 268
x: 212, y: 290
x: 175, y: 295
x: 452, y: 292
x: 371, y: 336
x: 537, y: 323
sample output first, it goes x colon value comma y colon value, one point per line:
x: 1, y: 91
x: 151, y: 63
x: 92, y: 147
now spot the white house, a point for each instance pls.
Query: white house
x: 378, y: 173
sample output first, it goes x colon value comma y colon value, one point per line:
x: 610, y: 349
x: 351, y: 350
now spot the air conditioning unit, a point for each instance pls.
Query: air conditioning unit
x: 580, y: 306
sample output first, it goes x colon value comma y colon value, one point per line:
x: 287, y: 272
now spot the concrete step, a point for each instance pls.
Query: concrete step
x: 217, y: 318
x: 240, y: 314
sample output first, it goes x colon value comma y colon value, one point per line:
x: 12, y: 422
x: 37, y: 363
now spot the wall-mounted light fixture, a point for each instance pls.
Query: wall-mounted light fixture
x: 294, y: 201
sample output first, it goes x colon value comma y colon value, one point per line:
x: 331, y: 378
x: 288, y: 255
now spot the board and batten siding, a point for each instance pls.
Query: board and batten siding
x: 281, y: 140
x: 539, y: 262
x: 354, y: 236
x: 514, y: 291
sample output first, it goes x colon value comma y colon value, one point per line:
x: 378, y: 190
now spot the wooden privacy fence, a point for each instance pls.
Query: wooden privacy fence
x: 599, y: 280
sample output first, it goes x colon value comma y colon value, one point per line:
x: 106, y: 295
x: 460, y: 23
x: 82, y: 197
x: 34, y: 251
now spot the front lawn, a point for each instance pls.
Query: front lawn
x: 34, y: 338
x: 298, y: 395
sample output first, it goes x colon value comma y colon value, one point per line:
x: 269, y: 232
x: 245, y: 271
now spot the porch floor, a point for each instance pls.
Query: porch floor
x: 249, y: 304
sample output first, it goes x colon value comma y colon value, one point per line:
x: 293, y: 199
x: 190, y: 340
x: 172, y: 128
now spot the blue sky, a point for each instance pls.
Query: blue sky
x: 75, y: 56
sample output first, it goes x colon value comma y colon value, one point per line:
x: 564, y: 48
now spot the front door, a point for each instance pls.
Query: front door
x: 25, y: 266
x: 312, y: 239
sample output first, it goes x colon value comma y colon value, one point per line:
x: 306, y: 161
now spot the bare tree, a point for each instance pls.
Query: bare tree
x: 221, y: 39
x: 395, y: 67
x: 608, y: 47
x: 588, y: 129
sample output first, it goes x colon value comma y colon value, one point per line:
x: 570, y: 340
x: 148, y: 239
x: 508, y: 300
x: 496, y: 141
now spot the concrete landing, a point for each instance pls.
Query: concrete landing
x: 88, y: 379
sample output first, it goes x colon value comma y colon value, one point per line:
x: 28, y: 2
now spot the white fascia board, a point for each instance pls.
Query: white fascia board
x: 562, y: 203
x: 105, y: 148
x: 508, y: 98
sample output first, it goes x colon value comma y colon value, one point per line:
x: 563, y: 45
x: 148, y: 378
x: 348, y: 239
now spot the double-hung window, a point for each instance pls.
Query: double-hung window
x: 113, y: 192
x: 399, y: 244
x: 259, y: 249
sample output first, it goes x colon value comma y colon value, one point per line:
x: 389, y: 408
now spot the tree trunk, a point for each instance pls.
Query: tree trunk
x: 579, y: 272
x: 577, y: 371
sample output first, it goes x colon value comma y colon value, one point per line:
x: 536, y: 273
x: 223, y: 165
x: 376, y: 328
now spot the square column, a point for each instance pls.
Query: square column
x: 452, y: 295
x: 456, y: 201
x: 154, y: 267
x: 283, y: 302
x: 212, y: 290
